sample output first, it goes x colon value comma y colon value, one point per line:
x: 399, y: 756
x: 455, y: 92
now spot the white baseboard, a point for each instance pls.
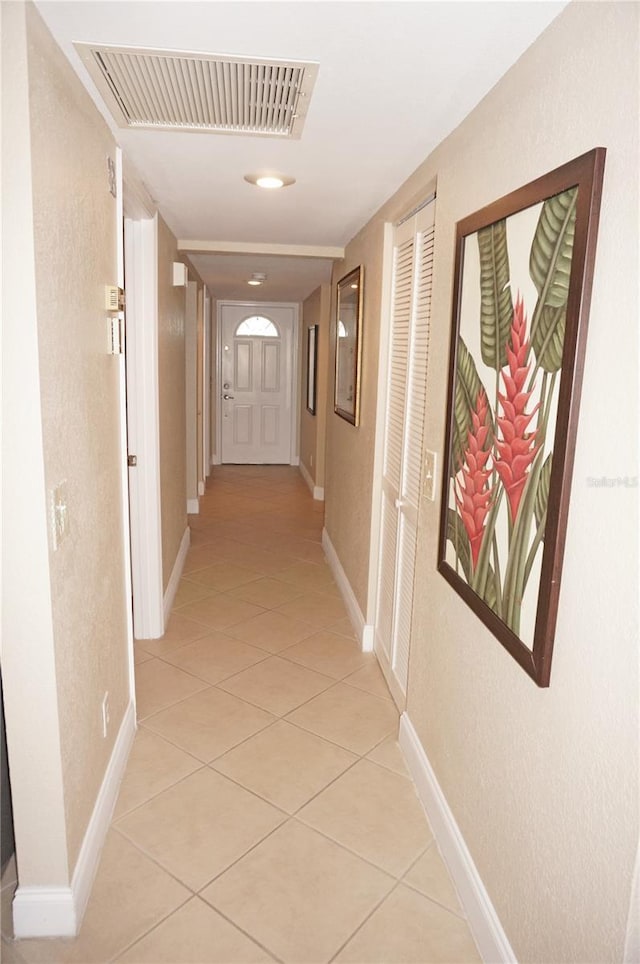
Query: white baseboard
x: 632, y: 942
x: 193, y: 506
x: 216, y: 460
x: 368, y: 636
x: 363, y: 631
x: 44, y: 912
x: 483, y: 921
x: 295, y: 460
x: 200, y: 488
x: 306, y: 475
x: 58, y: 911
x: 316, y: 490
x: 176, y: 574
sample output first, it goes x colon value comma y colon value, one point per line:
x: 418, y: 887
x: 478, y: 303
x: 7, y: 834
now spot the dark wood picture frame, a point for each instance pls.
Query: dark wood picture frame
x: 312, y: 368
x: 348, y: 345
x: 522, y: 288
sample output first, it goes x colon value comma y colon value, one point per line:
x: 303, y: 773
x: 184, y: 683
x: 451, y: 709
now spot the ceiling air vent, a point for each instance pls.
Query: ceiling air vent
x: 179, y: 91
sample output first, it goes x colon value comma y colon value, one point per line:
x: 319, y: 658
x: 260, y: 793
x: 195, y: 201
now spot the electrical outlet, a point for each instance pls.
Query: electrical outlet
x: 59, y: 515
x: 430, y: 475
x: 105, y: 714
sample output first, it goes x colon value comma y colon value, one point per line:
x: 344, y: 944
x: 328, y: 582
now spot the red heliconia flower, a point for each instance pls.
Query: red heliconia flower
x: 517, y: 448
x: 472, y: 491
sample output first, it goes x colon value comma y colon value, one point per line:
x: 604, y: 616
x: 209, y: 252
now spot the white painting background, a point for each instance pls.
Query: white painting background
x: 521, y: 228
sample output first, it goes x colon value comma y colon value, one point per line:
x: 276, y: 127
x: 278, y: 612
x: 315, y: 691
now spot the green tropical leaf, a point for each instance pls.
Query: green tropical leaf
x: 550, y: 270
x: 496, y: 303
x: 468, y: 387
x: 542, y: 492
x: 457, y: 536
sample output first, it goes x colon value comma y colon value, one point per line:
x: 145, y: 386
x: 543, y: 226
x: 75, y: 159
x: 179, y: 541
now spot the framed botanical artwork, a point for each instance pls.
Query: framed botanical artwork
x: 312, y: 367
x: 349, y: 346
x: 522, y: 287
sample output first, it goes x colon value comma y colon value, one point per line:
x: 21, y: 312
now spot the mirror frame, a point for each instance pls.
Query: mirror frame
x: 348, y: 359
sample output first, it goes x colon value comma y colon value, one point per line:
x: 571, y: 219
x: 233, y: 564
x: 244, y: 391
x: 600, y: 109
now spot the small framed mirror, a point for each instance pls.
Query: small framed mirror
x: 312, y: 368
x: 349, y: 346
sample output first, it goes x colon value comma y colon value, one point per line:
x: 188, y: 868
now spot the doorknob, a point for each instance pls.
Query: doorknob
x: 227, y: 396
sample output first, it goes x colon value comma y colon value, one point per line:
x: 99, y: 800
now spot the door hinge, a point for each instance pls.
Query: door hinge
x: 132, y: 461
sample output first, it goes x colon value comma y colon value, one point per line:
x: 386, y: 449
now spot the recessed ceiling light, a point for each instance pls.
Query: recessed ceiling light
x: 257, y: 278
x: 270, y: 181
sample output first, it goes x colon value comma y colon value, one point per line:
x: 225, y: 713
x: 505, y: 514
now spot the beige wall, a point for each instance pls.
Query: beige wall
x: 75, y: 256
x: 543, y: 783
x: 171, y: 378
x: 350, y: 450
x: 316, y: 310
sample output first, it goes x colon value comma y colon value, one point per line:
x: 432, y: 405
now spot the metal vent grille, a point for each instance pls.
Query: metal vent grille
x: 175, y: 90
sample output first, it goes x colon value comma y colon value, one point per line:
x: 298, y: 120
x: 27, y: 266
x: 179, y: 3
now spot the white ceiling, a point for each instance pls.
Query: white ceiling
x: 395, y: 78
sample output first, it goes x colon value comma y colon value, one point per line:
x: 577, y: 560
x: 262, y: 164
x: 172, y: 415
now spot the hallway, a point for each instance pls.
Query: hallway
x: 266, y: 813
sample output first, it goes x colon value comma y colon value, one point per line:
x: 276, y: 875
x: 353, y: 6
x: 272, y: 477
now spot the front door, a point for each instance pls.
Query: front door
x: 256, y: 379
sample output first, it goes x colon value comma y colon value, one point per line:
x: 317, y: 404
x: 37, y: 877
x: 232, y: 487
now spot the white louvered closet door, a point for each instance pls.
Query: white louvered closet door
x: 402, y: 460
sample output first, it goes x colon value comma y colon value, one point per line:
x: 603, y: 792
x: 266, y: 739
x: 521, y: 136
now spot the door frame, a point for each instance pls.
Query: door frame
x: 294, y: 428
x: 378, y: 458
x: 389, y: 239
x: 142, y: 415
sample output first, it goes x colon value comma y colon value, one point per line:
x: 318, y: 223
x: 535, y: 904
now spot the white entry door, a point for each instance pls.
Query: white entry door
x: 402, y: 463
x: 256, y: 378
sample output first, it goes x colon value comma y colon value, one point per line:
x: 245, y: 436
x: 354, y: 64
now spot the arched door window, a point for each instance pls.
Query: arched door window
x: 257, y: 326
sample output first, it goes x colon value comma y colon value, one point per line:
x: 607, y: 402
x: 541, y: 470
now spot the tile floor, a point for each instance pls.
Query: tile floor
x: 266, y: 813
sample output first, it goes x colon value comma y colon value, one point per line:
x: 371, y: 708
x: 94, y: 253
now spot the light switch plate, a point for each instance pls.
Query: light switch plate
x: 430, y: 466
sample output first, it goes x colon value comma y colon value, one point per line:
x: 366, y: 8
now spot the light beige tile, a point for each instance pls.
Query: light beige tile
x: 188, y: 592
x: 329, y: 653
x: 349, y: 717
x: 344, y: 627
x: 309, y: 576
x: 140, y: 655
x: 220, y: 611
x: 370, y: 679
x: 195, y: 934
x: 430, y: 876
x: 276, y: 685
x: 209, y: 723
x: 200, y: 826
x: 200, y: 557
x: 10, y: 954
x: 216, y: 656
x: 159, y: 685
x: 319, y: 609
x: 130, y: 895
x: 298, y: 894
x: 375, y: 813
x: 224, y: 576
x: 409, y: 929
x: 266, y: 592
x: 388, y: 754
x: 269, y: 561
x: 153, y: 766
x: 311, y: 551
x: 271, y: 631
x: 179, y: 632
x: 285, y: 765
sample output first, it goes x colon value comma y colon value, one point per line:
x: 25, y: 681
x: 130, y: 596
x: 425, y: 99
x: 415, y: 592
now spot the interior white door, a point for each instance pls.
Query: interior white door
x: 256, y: 378
x: 402, y: 461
